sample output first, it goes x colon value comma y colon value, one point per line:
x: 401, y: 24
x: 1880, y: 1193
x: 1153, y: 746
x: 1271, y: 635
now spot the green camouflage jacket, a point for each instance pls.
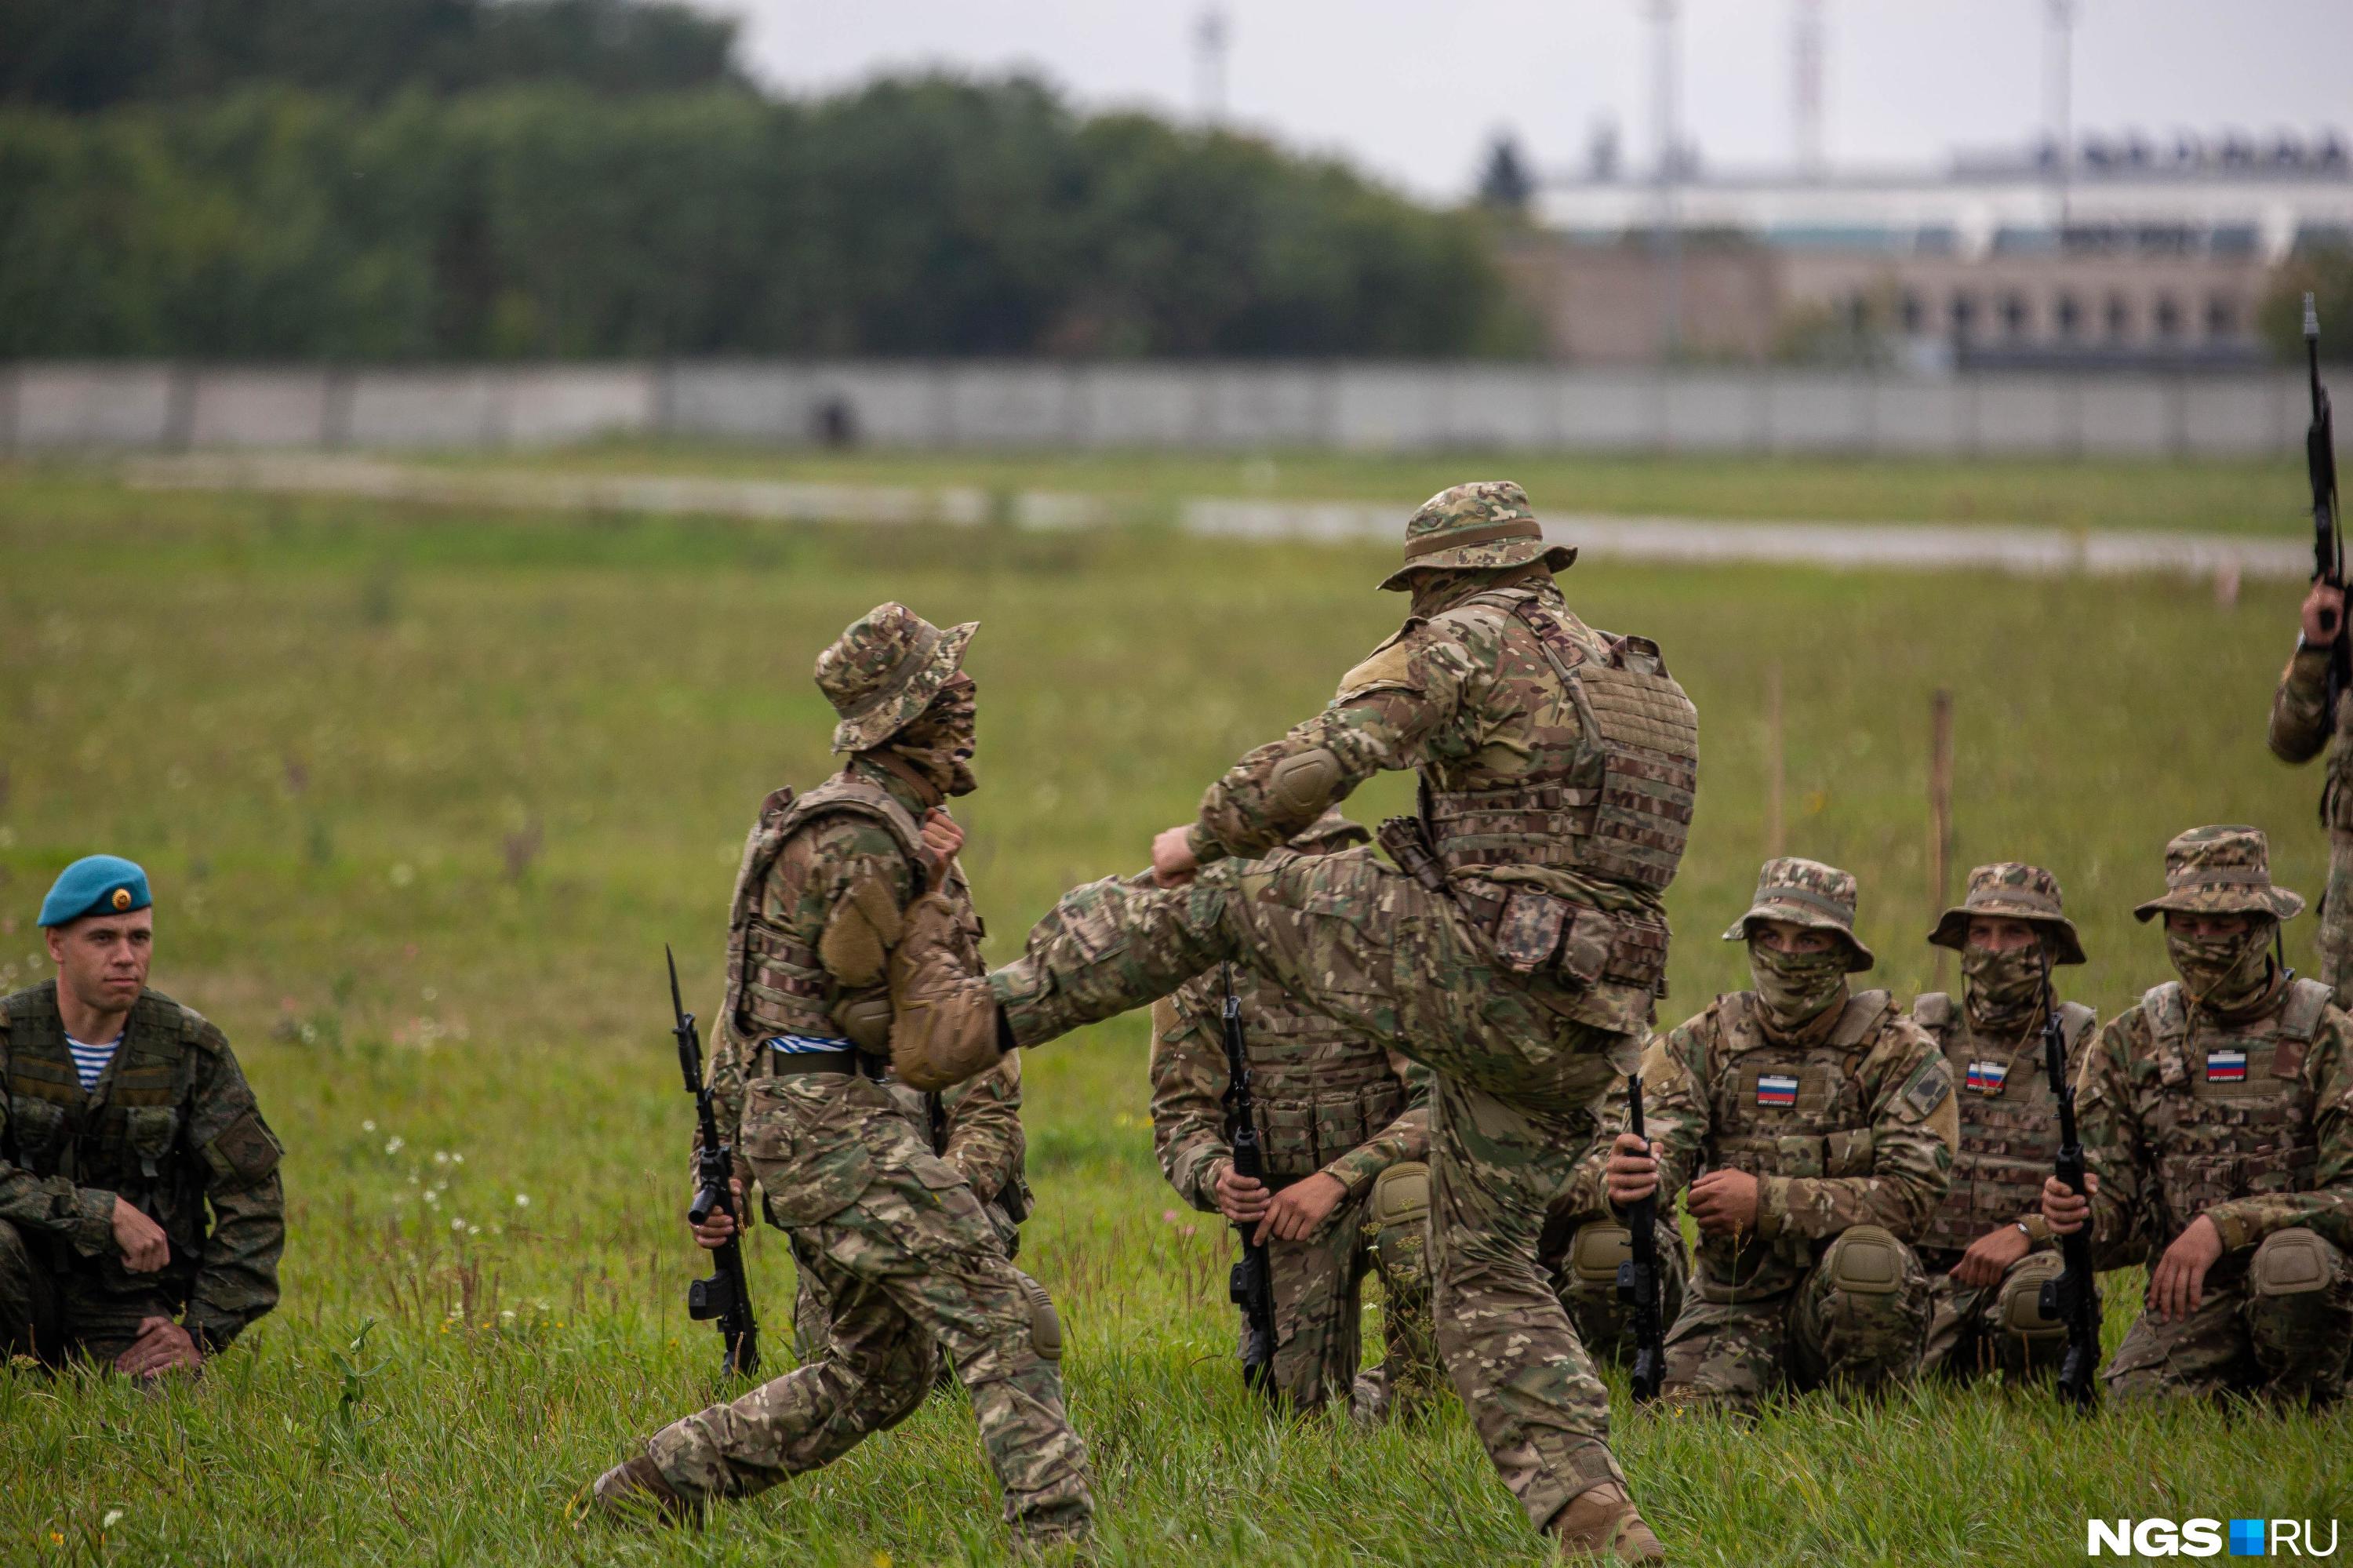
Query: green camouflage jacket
x: 2248, y: 1121
x: 1327, y: 1101
x: 172, y: 1128
x: 978, y: 1125
x: 1850, y: 1123
x: 2301, y: 726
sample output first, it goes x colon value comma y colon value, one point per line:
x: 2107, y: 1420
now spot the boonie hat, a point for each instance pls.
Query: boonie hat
x: 2222, y: 871
x: 1805, y: 893
x: 2011, y: 890
x: 885, y: 669
x: 1487, y: 522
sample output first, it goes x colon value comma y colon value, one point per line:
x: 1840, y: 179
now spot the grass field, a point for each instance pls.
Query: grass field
x: 424, y: 792
x: 2255, y: 497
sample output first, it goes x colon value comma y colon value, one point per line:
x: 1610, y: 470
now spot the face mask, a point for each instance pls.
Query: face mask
x: 2002, y: 987
x: 2222, y: 972
x: 940, y: 743
x: 1796, y: 986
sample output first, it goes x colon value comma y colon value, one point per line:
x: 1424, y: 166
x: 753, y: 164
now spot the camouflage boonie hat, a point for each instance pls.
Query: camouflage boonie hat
x: 1487, y: 522
x: 885, y: 669
x: 1806, y: 892
x: 2011, y: 890
x: 1335, y: 829
x: 2222, y: 871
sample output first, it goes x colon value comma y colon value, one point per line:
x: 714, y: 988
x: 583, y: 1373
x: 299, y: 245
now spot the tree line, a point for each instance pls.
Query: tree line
x: 489, y: 181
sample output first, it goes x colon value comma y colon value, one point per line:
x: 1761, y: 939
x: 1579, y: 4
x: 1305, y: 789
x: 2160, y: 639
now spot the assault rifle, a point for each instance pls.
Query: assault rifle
x: 1638, y: 1277
x: 2073, y: 1297
x: 2327, y: 549
x: 727, y: 1293
x: 1251, y: 1285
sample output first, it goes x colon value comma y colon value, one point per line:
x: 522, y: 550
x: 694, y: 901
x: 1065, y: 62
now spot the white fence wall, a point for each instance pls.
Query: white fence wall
x: 1353, y: 406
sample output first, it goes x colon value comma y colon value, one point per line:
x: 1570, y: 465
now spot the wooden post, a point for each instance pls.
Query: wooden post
x: 1774, y: 839
x: 1940, y: 811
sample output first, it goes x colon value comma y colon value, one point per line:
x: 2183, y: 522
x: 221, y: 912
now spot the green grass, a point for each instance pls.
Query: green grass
x: 332, y: 730
x: 2234, y: 496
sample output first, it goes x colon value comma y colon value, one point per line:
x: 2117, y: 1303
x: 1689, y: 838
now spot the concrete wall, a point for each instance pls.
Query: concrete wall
x: 1354, y: 406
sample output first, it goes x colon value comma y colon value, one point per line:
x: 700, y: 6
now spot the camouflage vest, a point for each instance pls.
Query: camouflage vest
x: 125, y: 1139
x: 776, y: 982
x: 1321, y: 1090
x: 1610, y: 796
x: 2009, y: 1118
x: 1779, y: 1109
x: 2229, y: 1116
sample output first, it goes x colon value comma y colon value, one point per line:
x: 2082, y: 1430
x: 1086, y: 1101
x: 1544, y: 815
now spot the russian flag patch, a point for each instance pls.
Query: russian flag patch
x: 1987, y: 1078
x: 1776, y: 1089
x: 2226, y: 1066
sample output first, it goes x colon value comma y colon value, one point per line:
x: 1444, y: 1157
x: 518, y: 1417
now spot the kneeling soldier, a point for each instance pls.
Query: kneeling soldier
x: 1339, y: 1120
x: 1584, y: 1242
x: 1988, y: 1251
x: 1825, y: 1124
x: 906, y: 1256
x: 2216, y: 1120
x: 126, y: 1117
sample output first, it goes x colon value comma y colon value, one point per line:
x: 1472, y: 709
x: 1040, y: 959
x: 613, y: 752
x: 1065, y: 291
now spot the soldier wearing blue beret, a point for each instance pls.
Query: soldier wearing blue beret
x: 140, y: 1214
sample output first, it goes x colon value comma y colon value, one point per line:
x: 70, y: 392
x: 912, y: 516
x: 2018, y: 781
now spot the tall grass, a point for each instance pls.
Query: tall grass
x: 326, y: 727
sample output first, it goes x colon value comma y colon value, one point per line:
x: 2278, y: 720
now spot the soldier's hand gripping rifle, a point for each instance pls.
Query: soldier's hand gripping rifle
x: 1251, y: 1285
x: 727, y: 1293
x: 2073, y: 1297
x: 1638, y: 1277
x: 2327, y: 550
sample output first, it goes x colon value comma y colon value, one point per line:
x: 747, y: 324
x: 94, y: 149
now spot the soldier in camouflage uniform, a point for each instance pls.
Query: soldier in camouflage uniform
x: 1584, y: 1241
x: 1988, y: 1251
x: 901, y: 1246
x: 2301, y: 728
x: 126, y: 1120
x: 2216, y: 1120
x: 1824, y: 1124
x: 1336, y: 1114
x: 1515, y: 949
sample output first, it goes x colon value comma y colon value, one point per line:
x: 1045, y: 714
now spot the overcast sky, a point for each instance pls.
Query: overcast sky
x: 1414, y: 91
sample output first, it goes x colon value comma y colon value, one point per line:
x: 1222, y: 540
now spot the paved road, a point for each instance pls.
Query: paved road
x: 1903, y: 547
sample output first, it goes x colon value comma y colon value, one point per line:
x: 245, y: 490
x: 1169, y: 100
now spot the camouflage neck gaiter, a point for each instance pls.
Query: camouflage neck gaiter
x: 2222, y: 974
x: 940, y: 744
x: 1795, y: 987
x: 2002, y: 991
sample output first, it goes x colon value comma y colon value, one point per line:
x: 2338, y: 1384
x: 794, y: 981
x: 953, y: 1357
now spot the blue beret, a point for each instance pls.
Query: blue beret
x: 96, y: 885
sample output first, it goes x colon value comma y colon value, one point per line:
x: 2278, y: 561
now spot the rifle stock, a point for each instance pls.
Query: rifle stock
x: 1638, y: 1277
x: 726, y: 1296
x: 1250, y: 1287
x: 2073, y: 1297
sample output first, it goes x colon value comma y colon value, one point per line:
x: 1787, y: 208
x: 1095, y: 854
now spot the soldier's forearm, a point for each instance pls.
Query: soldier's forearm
x: 2246, y: 1222
x: 2300, y: 720
x: 83, y: 1216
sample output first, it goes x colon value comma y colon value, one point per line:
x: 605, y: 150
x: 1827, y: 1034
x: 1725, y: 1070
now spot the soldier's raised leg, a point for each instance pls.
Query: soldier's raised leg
x: 2300, y: 1317
x: 1859, y: 1318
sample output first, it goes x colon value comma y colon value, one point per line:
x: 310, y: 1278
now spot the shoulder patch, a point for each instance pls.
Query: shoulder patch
x: 1931, y: 1084
x: 1388, y: 669
x: 1947, y: 1121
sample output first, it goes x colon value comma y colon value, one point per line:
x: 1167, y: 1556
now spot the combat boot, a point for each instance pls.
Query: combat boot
x: 635, y: 1490
x: 1602, y: 1523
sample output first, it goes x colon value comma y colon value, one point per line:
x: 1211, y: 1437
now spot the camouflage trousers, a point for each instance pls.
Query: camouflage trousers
x: 1583, y: 1263
x: 56, y: 1316
x: 2279, y: 1325
x: 1974, y: 1329
x: 813, y: 1310
x: 1358, y: 941
x: 909, y: 1266
x: 1318, y: 1317
x: 1855, y: 1321
x: 2334, y: 940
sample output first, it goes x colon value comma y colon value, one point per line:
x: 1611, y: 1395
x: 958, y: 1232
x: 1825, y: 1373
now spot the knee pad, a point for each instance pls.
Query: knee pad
x: 1595, y: 1252
x: 2293, y: 1262
x: 2018, y: 1307
x: 1045, y: 1324
x: 1865, y: 1260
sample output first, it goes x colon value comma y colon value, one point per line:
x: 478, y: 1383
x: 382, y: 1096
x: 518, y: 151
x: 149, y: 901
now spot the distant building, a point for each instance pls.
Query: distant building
x: 2128, y: 254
